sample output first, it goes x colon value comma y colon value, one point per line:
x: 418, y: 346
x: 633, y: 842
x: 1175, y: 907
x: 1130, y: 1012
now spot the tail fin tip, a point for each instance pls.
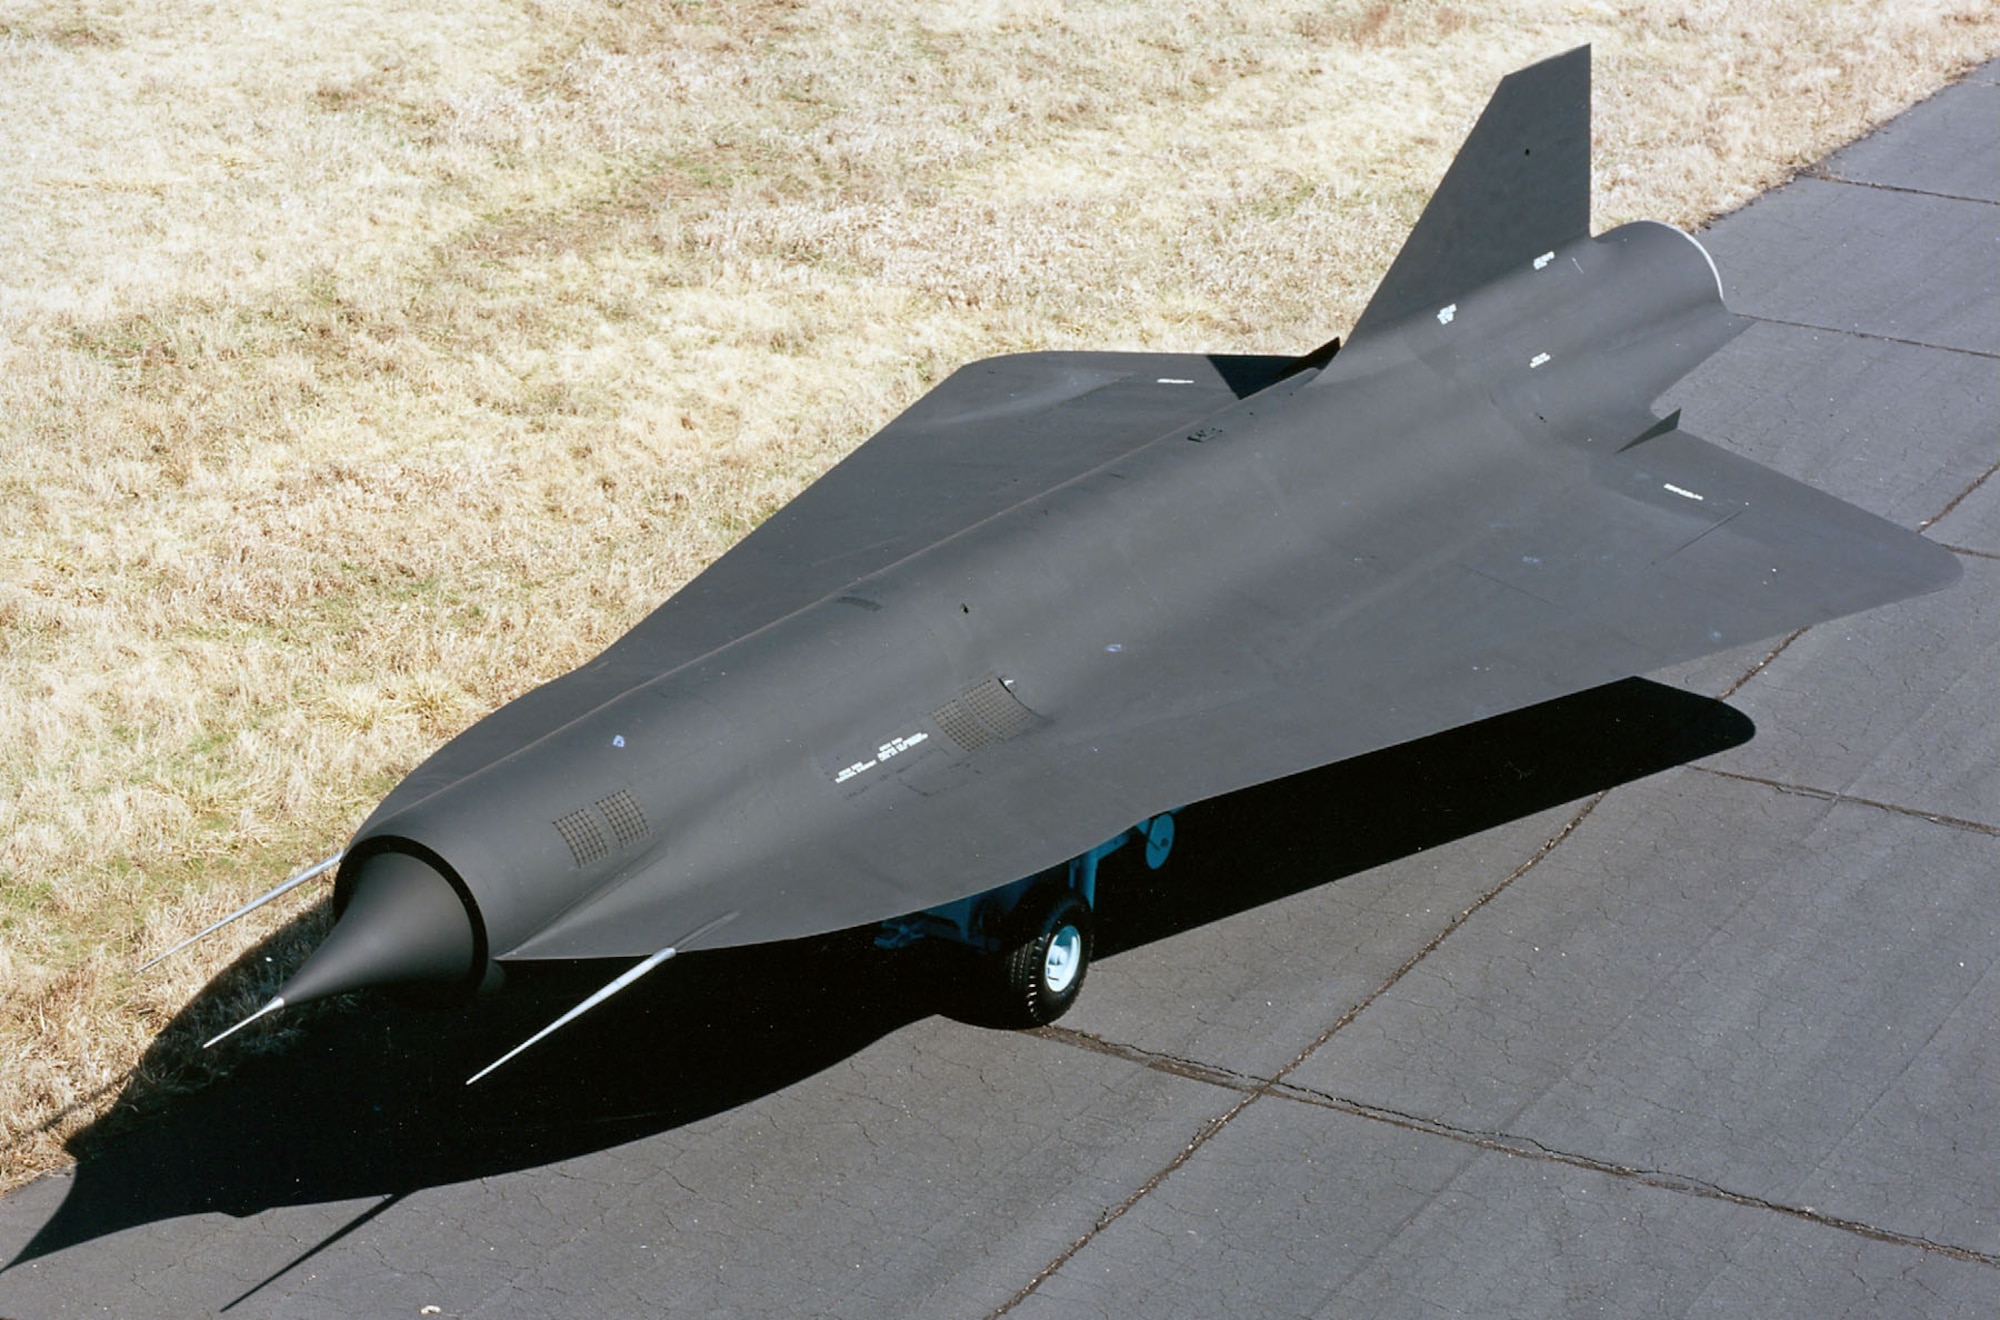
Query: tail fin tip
x: 1519, y: 186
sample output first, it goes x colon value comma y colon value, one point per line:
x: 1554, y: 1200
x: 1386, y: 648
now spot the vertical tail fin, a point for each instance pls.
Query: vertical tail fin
x: 1519, y: 187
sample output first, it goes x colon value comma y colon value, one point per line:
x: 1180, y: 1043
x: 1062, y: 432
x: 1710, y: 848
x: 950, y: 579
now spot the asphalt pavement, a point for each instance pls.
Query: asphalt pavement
x: 1640, y: 1003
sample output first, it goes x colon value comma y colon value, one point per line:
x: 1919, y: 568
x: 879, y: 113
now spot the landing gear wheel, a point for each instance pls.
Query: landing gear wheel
x: 1041, y: 975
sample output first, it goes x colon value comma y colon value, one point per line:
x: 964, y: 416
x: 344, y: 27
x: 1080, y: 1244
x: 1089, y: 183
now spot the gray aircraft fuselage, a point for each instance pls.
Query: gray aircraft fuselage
x: 1065, y: 592
x: 1169, y: 593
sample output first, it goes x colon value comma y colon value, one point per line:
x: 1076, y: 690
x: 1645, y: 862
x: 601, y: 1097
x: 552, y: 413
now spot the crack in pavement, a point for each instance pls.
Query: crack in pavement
x: 1828, y: 176
x: 1834, y: 795
x: 1254, y: 1088
x: 1761, y: 665
x: 1528, y: 1148
x: 1173, y: 1065
x: 1116, y: 1212
x: 1959, y: 499
x: 1869, y: 334
x: 1505, y: 1143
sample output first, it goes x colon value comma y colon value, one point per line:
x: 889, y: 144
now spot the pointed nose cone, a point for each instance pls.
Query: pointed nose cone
x: 404, y: 925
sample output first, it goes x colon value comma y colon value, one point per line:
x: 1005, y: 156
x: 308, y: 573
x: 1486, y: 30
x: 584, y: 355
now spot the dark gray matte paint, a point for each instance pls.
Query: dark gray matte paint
x: 1068, y: 590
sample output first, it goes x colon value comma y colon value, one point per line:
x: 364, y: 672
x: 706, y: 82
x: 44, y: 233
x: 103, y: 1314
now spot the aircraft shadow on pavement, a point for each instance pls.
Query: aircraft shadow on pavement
x: 373, y: 1101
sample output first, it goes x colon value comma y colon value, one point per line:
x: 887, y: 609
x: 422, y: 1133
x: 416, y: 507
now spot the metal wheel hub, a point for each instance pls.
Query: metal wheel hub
x: 1065, y: 956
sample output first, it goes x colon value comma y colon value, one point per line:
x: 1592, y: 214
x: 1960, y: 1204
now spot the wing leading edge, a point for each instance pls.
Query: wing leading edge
x: 993, y: 433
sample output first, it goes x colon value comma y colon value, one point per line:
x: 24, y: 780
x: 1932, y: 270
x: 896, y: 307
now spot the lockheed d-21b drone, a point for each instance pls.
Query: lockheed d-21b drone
x: 1068, y: 591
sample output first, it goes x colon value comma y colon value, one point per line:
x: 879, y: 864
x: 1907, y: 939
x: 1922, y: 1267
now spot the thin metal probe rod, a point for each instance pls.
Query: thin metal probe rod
x: 250, y: 907
x: 272, y: 1007
x: 624, y: 979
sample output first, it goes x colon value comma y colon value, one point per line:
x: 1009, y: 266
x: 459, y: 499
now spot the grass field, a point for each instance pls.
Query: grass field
x: 366, y: 362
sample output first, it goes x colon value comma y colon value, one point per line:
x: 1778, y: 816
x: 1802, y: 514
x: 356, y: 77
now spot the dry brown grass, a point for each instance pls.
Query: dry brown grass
x: 364, y: 363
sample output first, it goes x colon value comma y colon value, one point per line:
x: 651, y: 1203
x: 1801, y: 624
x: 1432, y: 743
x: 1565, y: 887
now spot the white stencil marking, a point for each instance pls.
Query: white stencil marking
x: 1537, y: 360
x: 888, y: 751
x: 1685, y: 494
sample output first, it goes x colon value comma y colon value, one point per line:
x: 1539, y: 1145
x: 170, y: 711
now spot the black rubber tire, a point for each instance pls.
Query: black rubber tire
x: 1023, y: 996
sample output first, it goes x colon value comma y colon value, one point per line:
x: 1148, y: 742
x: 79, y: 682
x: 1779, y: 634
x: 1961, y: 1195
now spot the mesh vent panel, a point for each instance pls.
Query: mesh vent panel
x: 960, y: 727
x: 627, y: 821
x: 586, y: 842
x: 984, y: 714
x: 998, y: 709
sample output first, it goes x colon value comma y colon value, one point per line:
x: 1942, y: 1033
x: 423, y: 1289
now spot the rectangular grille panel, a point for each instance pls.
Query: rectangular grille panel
x: 998, y: 709
x: 983, y: 714
x: 586, y: 842
x: 960, y: 727
x: 627, y: 821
